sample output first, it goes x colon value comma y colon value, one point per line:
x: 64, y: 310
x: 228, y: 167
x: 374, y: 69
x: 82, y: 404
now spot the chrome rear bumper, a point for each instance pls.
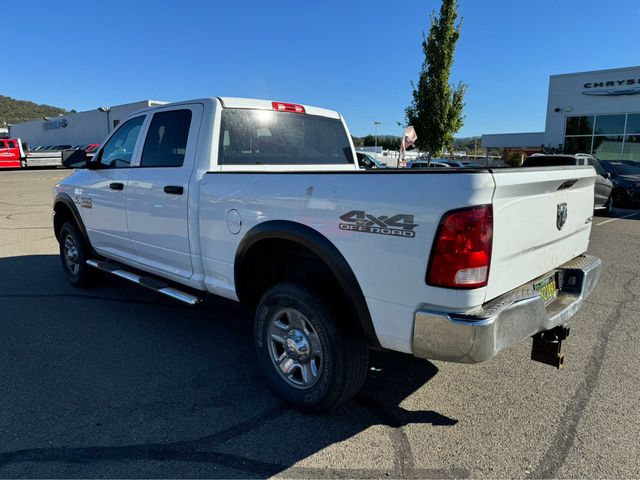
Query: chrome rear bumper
x: 505, y: 321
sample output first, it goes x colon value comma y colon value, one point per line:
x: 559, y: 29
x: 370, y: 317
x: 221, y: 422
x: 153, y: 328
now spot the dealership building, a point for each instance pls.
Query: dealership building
x: 92, y: 126
x: 594, y: 112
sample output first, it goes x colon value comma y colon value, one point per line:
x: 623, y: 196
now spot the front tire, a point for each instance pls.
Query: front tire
x: 73, y: 255
x: 312, y: 355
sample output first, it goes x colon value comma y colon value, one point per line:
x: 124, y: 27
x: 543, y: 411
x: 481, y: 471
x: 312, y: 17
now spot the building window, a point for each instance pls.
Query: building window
x: 609, y: 124
x: 633, y: 124
x: 607, y: 147
x: 607, y: 137
x: 631, y: 147
x: 579, y: 125
x: 577, y: 144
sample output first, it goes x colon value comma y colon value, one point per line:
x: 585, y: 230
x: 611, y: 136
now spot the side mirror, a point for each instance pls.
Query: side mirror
x: 608, y: 175
x: 78, y: 159
x: 74, y: 158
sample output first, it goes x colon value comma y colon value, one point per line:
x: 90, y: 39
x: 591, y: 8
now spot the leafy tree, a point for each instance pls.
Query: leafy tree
x: 436, y: 107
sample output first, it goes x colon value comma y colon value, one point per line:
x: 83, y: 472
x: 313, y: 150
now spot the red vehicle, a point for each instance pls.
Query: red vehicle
x: 11, y: 153
x: 15, y: 154
x: 92, y: 147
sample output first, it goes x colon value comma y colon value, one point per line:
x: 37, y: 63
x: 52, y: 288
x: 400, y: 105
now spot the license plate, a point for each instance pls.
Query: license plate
x: 547, y: 289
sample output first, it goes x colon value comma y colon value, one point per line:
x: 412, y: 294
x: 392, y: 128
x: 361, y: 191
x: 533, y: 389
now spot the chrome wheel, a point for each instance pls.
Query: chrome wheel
x: 71, y: 256
x: 295, y: 348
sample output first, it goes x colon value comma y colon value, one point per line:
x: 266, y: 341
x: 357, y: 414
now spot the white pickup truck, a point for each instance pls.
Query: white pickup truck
x: 264, y: 203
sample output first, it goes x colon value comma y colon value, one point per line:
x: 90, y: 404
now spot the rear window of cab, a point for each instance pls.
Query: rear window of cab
x: 264, y: 137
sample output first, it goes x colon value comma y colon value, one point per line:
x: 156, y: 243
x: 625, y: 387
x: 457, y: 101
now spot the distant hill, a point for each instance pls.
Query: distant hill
x: 16, y: 111
x: 466, y: 143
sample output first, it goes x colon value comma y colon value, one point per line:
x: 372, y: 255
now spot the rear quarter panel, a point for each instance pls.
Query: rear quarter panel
x: 390, y: 269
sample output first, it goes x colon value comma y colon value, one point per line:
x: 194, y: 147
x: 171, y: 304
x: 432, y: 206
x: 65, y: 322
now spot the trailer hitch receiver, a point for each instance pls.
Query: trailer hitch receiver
x: 547, y: 346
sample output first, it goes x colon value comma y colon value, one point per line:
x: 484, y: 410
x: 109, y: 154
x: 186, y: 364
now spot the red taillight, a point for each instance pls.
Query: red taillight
x: 461, y: 253
x: 288, y: 107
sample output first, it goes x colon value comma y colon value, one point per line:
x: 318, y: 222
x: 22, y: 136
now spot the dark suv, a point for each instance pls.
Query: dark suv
x: 603, y: 200
x: 625, y: 176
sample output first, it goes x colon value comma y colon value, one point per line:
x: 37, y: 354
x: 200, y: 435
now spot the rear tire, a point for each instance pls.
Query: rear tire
x: 73, y: 255
x: 313, y: 357
x: 608, y: 207
x: 621, y: 199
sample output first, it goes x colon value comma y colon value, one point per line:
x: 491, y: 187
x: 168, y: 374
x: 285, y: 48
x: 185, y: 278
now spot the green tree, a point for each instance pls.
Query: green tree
x: 436, y: 107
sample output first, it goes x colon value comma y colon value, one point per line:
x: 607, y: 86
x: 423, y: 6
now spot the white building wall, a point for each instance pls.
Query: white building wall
x: 575, y: 94
x: 91, y: 126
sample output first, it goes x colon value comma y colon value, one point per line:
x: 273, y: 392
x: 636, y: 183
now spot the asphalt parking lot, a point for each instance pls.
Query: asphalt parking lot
x: 116, y: 382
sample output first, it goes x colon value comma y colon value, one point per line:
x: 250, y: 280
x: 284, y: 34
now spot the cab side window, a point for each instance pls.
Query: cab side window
x: 117, y: 152
x: 166, y: 142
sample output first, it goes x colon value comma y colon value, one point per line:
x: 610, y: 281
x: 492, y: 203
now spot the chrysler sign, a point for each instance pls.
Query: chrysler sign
x: 612, y: 87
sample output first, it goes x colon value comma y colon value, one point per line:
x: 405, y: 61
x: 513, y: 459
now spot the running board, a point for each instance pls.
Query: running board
x: 151, y: 283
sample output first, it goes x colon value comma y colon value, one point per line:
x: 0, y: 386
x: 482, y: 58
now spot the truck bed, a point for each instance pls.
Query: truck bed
x: 526, y: 240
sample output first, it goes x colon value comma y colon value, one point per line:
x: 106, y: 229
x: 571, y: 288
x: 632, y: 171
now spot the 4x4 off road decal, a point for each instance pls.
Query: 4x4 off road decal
x: 400, y: 225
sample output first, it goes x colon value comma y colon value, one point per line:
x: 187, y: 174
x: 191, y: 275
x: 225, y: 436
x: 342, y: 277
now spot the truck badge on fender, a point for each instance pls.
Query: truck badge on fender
x: 400, y: 225
x: 84, y: 202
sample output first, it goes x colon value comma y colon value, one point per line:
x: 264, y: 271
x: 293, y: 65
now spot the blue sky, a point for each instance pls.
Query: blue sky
x: 357, y: 57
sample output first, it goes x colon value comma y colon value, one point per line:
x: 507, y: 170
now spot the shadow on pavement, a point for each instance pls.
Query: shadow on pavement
x: 115, y: 381
x: 626, y: 213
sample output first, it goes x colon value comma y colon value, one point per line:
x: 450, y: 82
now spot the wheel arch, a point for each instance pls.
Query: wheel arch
x: 65, y: 209
x: 322, y: 248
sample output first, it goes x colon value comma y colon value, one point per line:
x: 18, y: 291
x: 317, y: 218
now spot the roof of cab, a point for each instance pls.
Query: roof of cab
x: 248, y: 103
x: 260, y: 104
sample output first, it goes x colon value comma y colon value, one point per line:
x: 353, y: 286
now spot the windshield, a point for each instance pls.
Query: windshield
x: 265, y: 137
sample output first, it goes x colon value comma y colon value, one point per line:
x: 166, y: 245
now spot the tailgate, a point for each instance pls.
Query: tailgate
x: 529, y: 235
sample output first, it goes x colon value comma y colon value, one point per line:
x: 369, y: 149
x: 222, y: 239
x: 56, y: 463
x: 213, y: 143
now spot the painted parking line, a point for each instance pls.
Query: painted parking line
x: 618, y: 218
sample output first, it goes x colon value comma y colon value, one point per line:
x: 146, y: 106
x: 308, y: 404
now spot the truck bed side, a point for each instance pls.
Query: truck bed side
x: 390, y: 268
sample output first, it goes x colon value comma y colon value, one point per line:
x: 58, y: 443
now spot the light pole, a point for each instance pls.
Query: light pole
x: 106, y: 110
x: 375, y: 127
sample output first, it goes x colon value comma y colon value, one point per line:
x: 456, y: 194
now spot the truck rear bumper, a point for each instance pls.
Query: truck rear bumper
x: 478, y: 335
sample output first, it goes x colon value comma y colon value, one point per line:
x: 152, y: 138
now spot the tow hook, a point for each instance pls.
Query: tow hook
x: 547, y: 346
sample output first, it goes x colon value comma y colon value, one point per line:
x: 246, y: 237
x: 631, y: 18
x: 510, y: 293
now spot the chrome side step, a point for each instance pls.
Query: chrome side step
x: 152, y: 283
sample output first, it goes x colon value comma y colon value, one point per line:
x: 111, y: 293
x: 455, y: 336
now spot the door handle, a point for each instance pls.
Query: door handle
x: 116, y: 186
x: 174, y: 189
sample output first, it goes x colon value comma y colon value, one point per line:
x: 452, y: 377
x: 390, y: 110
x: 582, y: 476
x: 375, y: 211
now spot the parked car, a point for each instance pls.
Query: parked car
x: 453, y: 163
x: 368, y: 161
x: 470, y: 164
x: 603, y: 200
x: 434, y: 163
x: 452, y: 265
x: 625, y: 175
